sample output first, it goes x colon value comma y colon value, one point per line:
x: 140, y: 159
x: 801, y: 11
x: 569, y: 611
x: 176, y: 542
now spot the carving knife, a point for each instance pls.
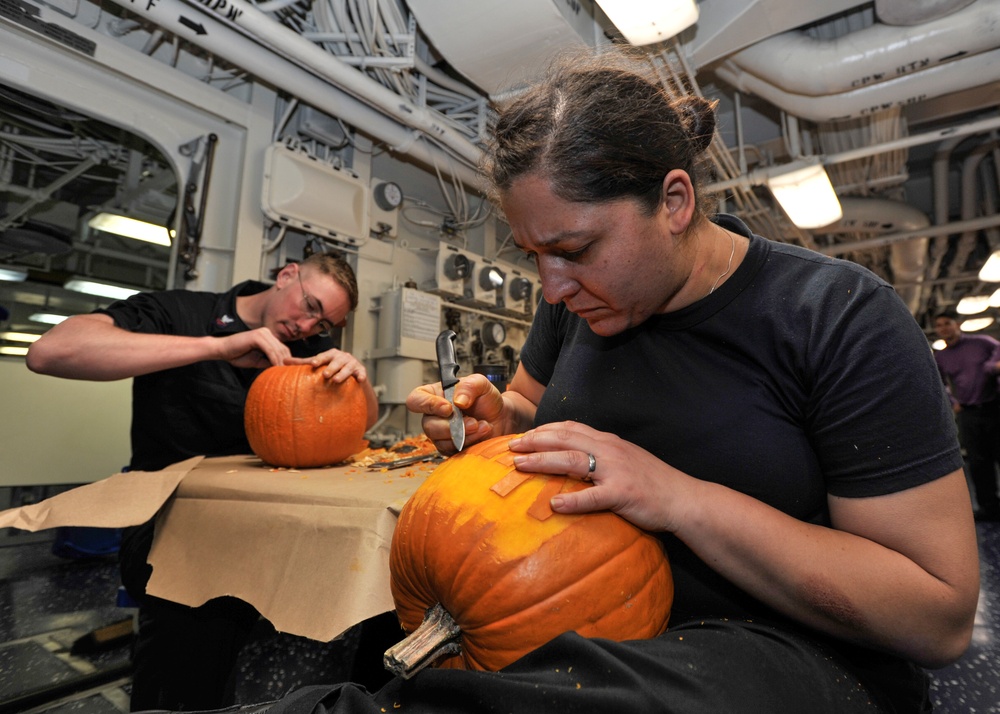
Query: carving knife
x: 448, y: 368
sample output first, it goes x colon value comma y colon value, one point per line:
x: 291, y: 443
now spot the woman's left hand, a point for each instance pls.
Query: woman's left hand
x: 627, y: 479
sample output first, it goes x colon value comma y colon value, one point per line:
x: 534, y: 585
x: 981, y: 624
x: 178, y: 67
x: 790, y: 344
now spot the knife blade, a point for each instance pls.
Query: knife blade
x: 448, y: 369
x: 405, y: 461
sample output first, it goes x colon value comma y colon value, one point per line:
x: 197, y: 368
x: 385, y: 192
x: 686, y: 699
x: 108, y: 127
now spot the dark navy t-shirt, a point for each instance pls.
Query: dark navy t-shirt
x: 801, y: 376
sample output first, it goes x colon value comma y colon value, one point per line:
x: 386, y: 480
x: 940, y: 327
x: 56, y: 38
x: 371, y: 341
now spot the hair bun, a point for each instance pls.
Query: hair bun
x: 697, y: 114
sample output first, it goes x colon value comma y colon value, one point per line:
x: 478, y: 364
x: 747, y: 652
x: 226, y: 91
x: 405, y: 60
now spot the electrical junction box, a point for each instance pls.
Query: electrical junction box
x: 313, y: 196
x: 409, y: 322
x: 408, y: 325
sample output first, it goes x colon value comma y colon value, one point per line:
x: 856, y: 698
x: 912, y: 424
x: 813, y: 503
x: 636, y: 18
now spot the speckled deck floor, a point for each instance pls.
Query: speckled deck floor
x: 47, y: 602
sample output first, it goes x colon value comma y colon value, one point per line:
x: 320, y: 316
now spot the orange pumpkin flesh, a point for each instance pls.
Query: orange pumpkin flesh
x: 297, y: 419
x: 512, y: 581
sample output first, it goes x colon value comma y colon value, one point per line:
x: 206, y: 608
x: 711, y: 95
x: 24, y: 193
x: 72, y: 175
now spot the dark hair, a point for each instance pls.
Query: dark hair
x: 947, y: 314
x: 599, y: 127
x: 335, y: 266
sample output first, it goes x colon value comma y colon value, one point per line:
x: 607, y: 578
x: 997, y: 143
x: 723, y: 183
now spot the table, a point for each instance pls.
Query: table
x: 309, y: 548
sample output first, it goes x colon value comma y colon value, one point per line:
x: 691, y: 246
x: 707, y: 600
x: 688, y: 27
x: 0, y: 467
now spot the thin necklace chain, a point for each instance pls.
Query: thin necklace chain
x: 729, y: 266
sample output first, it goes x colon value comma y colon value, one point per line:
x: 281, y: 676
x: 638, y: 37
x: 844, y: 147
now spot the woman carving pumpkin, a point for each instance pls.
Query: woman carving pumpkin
x: 772, y: 414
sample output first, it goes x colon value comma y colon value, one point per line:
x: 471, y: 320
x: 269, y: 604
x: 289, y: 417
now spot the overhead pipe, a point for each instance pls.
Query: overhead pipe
x: 973, y: 224
x: 908, y: 259
x: 278, y: 39
x: 225, y: 42
x: 759, y: 177
x: 970, y: 199
x: 930, y: 83
x: 907, y: 12
x: 801, y: 64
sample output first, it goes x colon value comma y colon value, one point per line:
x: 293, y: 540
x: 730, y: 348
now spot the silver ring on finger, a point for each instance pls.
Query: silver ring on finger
x: 591, y: 467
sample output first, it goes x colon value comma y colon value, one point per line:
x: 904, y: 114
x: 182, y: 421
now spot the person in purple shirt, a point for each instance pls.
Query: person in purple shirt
x: 969, y: 366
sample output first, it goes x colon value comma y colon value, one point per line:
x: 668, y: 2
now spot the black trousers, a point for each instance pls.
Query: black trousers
x: 979, y: 430
x: 186, y: 658
x: 700, y: 667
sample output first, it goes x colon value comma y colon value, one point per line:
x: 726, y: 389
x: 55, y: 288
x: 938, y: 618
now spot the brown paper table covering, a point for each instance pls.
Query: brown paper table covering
x: 308, y: 548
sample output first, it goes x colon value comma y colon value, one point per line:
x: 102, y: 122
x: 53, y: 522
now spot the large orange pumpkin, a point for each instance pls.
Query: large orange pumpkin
x: 296, y: 418
x: 478, y: 544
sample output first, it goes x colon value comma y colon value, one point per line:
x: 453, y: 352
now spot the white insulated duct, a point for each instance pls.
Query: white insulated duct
x: 800, y: 64
x: 219, y: 38
x: 908, y: 259
x: 907, y: 12
x: 936, y: 81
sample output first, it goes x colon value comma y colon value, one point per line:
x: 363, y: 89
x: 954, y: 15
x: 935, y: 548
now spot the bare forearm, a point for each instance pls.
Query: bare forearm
x: 91, y: 347
x: 519, y: 412
x: 844, y: 584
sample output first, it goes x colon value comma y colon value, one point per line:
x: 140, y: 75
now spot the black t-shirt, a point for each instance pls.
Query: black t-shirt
x: 195, y: 410
x: 801, y: 376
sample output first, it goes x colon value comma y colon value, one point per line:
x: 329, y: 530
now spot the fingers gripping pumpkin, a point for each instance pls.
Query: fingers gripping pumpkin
x: 296, y: 418
x: 477, y: 544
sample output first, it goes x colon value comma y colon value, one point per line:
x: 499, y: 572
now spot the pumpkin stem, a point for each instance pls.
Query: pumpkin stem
x: 437, y: 635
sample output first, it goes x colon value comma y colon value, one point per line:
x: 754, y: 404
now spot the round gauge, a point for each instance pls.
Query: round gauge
x: 457, y: 267
x: 387, y: 195
x: 520, y: 288
x: 493, y: 334
x: 491, y: 278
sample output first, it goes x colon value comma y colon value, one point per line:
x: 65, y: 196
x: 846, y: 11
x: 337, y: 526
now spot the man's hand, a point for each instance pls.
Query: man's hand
x: 257, y: 348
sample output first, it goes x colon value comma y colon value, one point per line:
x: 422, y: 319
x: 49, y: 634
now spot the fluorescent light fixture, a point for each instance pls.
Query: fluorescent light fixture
x: 14, y: 351
x: 995, y: 298
x: 976, y: 323
x: 990, y: 272
x: 643, y: 22
x: 938, y: 345
x: 91, y: 287
x: 47, y: 318
x: 18, y: 336
x: 13, y: 275
x: 972, y: 304
x: 807, y: 195
x: 130, y: 228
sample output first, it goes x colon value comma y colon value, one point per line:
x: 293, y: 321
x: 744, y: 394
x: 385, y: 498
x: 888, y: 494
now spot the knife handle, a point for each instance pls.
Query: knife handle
x: 447, y: 362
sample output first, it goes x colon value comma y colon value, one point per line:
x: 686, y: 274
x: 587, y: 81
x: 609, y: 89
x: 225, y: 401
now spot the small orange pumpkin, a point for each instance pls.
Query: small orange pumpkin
x: 478, y: 544
x: 296, y: 418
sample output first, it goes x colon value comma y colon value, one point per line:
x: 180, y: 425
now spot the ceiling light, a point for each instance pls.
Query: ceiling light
x: 977, y: 323
x: 972, y: 304
x: 13, y: 275
x: 47, y: 318
x: 938, y: 345
x: 91, y: 287
x: 643, y: 22
x: 806, y: 195
x: 19, y: 336
x: 130, y: 228
x: 14, y: 351
x: 990, y: 272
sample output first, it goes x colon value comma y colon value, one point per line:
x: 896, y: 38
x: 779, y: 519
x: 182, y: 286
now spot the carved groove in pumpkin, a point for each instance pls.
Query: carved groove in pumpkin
x: 513, y: 582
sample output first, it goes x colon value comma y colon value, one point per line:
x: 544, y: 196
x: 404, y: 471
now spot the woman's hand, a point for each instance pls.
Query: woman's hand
x: 628, y: 480
x: 481, y: 403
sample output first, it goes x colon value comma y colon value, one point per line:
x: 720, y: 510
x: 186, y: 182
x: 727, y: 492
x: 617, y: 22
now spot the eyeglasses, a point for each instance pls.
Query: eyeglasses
x: 313, y: 310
